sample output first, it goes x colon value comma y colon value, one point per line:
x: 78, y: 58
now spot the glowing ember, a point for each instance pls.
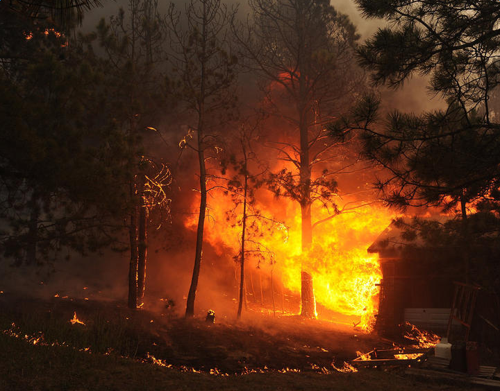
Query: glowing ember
x: 287, y: 370
x: 363, y: 356
x: 424, y: 339
x: 32, y: 339
x: 157, y: 361
x: 409, y: 356
x: 345, y: 275
x: 346, y: 368
x: 217, y: 372
x: 75, y: 320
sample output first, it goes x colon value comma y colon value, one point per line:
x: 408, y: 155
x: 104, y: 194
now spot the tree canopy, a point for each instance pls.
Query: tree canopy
x: 63, y: 12
x: 445, y: 157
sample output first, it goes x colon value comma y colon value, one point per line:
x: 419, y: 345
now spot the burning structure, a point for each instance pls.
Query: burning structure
x: 346, y: 277
x: 412, y: 287
x: 421, y: 284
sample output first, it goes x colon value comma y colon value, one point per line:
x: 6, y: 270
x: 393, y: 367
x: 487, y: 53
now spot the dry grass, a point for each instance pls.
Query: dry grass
x: 120, y: 341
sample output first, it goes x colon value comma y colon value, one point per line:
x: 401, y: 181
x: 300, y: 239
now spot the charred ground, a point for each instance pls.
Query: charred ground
x: 256, y: 342
x: 117, y: 347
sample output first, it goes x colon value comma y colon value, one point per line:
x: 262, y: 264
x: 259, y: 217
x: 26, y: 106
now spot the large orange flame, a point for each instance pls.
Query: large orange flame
x: 345, y: 275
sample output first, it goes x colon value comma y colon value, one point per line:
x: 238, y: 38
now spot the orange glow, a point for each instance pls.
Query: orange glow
x: 423, y: 338
x: 409, y: 356
x: 75, y: 320
x: 345, y: 275
x: 363, y: 356
x: 28, y: 36
x: 157, y: 361
x: 346, y: 368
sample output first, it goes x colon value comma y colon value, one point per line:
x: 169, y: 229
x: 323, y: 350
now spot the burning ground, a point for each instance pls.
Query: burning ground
x: 111, y: 347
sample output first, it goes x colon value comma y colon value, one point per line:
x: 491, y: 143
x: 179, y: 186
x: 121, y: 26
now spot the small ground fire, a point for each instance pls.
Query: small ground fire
x: 75, y: 320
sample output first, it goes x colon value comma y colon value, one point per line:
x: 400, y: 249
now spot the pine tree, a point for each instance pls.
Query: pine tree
x: 304, y: 50
x: 56, y: 183
x: 446, y: 158
x: 202, y: 81
x: 133, y: 66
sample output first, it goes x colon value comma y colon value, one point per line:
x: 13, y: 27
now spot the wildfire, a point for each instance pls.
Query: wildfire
x: 157, y: 361
x: 412, y: 354
x: 346, y: 368
x: 409, y: 356
x: 363, y: 356
x: 424, y: 339
x: 46, y: 32
x: 75, y: 320
x: 345, y: 276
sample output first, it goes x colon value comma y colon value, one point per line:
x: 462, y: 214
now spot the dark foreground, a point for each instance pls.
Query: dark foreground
x: 121, y: 350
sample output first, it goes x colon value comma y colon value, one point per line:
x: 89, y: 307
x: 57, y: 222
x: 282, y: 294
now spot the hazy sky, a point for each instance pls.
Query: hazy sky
x: 412, y: 98
x: 365, y: 27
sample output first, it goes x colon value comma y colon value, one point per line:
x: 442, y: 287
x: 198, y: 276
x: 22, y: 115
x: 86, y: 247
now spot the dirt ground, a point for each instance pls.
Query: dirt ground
x: 256, y: 342
x: 116, y: 348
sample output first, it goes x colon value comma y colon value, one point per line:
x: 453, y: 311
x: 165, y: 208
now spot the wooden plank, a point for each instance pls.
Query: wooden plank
x: 486, y: 371
x: 382, y: 362
x: 388, y: 362
x: 438, y: 360
x: 389, y: 353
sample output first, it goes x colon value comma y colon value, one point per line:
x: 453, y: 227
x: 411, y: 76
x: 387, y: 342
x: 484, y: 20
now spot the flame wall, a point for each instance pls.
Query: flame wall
x: 345, y: 275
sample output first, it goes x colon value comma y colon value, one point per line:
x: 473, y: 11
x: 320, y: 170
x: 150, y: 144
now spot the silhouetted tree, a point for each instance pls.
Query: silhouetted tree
x: 304, y: 50
x: 56, y: 183
x: 133, y: 66
x: 446, y: 158
x: 202, y: 81
x: 62, y: 12
x: 245, y: 175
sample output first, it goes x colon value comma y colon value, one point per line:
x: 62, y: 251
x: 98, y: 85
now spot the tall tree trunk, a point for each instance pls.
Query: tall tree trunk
x: 307, y: 296
x: 465, y: 237
x: 199, y: 237
x: 132, y: 275
x: 243, y: 234
x: 32, y: 238
x: 142, y: 247
x: 201, y: 222
x: 203, y: 170
x: 308, y: 302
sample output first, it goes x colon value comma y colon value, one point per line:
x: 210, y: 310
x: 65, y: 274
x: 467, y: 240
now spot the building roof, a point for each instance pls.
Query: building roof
x: 397, y: 237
